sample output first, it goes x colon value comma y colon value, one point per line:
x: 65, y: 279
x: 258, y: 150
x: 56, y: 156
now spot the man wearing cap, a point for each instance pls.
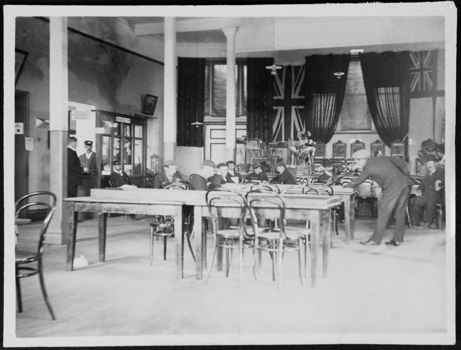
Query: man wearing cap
x: 393, y: 176
x: 88, y: 159
x: 258, y: 174
x: 119, y: 178
x: 74, y: 169
x: 286, y: 175
x: 200, y: 180
x: 169, y: 175
x: 428, y: 194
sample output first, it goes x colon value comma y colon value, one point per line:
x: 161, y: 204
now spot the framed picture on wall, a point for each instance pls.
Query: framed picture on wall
x: 148, y: 107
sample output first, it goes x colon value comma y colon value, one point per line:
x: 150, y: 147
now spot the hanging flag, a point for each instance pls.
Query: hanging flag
x: 289, y: 100
x: 423, y: 73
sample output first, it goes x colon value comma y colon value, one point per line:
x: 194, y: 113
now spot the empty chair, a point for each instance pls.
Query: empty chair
x: 276, y: 241
x: 226, y: 204
x: 164, y: 226
x: 30, y: 262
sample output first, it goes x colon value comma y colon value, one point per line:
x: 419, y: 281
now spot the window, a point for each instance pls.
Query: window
x: 355, y: 115
x: 215, y: 88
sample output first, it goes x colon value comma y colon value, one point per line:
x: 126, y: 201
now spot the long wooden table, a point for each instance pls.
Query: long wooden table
x: 167, y: 202
x: 347, y: 196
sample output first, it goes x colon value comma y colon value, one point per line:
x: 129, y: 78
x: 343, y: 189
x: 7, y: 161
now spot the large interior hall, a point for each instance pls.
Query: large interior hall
x: 229, y: 175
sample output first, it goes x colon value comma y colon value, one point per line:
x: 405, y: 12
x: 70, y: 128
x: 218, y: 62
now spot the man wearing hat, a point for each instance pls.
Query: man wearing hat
x: 88, y: 159
x: 286, y: 175
x: 119, y: 178
x: 258, y: 174
x: 428, y: 194
x: 200, y: 180
x: 393, y: 176
x: 74, y: 168
x: 169, y: 175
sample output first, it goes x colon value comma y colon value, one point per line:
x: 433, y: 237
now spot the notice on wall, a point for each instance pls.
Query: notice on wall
x: 19, y: 128
x: 29, y: 144
x: 80, y: 115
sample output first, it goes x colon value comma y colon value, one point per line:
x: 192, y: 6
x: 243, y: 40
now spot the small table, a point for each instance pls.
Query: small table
x: 102, y: 207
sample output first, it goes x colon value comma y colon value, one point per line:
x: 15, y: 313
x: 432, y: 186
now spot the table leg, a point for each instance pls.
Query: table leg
x: 315, y: 228
x: 347, y: 217
x: 71, y: 233
x: 199, y: 253
x: 102, y: 232
x: 352, y: 214
x: 179, y: 237
x: 326, y: 232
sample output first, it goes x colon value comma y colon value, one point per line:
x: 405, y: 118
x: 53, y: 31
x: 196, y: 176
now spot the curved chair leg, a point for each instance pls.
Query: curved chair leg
x: 305, y: 256
x: 212, y: 260
x: 151, y: 245
x: 190, y: 245
x: 18, y: 294
x: 42, y: 285
x: 280, y: 263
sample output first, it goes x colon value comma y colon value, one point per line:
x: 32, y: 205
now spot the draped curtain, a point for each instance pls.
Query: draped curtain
x: 190, y: 106
x: 260, y: 99
x: 324, y: 93
x: 387, y: 85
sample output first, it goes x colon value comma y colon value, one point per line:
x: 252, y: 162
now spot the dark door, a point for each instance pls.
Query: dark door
x: 21, y: 158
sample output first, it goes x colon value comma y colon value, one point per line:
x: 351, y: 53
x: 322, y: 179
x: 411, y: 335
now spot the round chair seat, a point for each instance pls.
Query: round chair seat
x: 229, y: 233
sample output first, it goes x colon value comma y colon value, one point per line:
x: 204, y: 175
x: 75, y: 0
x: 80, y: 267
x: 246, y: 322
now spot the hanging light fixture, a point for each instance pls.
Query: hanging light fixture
x: 338, y: 74
x: 273, y: 69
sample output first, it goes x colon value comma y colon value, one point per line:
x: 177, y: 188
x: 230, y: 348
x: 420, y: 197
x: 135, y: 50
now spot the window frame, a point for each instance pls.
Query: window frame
x: 355, y: 58
x: 240, y: 88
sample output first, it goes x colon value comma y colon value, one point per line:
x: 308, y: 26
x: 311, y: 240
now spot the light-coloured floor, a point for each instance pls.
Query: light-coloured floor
x: 382, y: 291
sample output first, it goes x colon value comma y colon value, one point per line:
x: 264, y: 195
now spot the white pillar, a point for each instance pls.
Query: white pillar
x: 59, y: 97
x: 230, y: 92
x: 170, y: 118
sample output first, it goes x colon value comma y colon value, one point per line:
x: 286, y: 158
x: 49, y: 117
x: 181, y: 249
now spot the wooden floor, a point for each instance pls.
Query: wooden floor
x: 378, y: 294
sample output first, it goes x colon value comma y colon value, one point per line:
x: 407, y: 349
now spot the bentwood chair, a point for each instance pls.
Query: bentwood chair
x: 327, y: 190
x: 225, y: 204
x: 276, y: 241
x: 164, y: 226
x: 30, y: 262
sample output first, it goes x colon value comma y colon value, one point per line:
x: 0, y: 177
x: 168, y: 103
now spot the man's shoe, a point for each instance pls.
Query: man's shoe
x: 432, y: 227
x: 369, y: 242
x: 394, y: 243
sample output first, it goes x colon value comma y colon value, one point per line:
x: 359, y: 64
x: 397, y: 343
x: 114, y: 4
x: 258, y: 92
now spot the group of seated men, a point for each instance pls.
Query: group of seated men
x: 209, y: 176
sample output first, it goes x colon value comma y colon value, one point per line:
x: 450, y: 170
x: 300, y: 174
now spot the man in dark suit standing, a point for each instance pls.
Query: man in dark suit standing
x: 428, y: 194
x: 393, y: 176
x: 74, y: 169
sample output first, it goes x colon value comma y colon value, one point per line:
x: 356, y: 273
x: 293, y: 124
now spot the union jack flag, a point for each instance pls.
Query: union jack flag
x: 289, y: 109
x: 423, y: 73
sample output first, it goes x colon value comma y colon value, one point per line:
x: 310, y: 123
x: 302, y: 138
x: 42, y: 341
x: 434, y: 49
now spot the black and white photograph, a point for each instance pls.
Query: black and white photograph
x: 156, y: 199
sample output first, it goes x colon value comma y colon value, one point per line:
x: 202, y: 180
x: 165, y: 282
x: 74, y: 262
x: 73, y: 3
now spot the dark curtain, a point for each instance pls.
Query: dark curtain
x: 190, y: 106
x: 387, y: 85
x: 324, y: 93
x: 260, y: 98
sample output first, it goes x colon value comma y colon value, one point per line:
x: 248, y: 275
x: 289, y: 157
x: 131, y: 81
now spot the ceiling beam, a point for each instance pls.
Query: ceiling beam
x: 195, y: 25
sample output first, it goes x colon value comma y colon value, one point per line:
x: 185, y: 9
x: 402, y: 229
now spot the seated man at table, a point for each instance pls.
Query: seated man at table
x: 258, y: 175
x: 328, y: 175
x: 201, y: 179
x: 232, y: 173
x: 169, y: 175
x: 119, y: 178
x: 286, y: 175
x: 428, y: 194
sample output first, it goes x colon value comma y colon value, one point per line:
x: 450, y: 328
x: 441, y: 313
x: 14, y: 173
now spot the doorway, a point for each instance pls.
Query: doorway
x: 21, y: 158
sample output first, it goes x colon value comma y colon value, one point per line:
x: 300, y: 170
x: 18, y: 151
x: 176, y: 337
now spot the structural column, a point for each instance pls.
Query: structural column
x: 230, y: 92
x: 170, y: 127
x: 59, y: 97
